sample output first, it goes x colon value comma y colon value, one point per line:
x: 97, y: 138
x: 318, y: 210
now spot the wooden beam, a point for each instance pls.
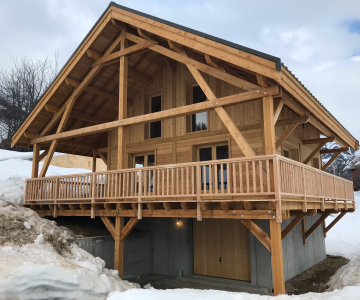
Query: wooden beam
x: 261, y: 80
x: 297, y: 120
x: 337, y: 219
x: 91, y: 89
x: 258, y: 232
x: 268, y: 127
x: 198, y: 65
x: 93, y: 166
x: 316, y: 141
x: 292, y: 225
x: 329, y: 151
x: 316, y: 224
x: 92, y: 54
x: 303, y: 230
x: 225, y: 118
x: 123, y: 52
x: 286, y: 134
x: 119, y: 246
x: 35, y: 161
x: 42, y: 155
x: 278, y: 109
x: 128, y: 227
x: 312, y: 154
x: 110, y: 226
x: 75, y: 115
x: 102, y: 157
x: 330, y: 161
x: 277, y: 258
x: 121, y: 151
x: 30, y: 135
x: 170, y: 113
x: 144, y: 34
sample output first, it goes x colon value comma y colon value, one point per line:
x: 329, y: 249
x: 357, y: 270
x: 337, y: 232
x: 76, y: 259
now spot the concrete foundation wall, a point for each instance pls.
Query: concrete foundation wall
x: 297, y: 256
x: 160, y: 245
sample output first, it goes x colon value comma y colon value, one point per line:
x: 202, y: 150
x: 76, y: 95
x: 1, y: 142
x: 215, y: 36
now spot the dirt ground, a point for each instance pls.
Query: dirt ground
x: 313, y: 280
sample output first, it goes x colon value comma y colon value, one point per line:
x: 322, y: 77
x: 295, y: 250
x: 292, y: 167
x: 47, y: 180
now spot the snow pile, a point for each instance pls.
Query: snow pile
x: 37, y: 261
x: 342, y: 239
x: 7, y: 154
x: 14, y: 171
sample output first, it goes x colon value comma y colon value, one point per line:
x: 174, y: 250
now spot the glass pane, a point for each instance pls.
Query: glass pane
x: 222, y: 152
x: 204, y: 155
x: 287, y: 153
x: 155, y: 127
x: 151, y: 163
x: 199, y: 121
x: 139, y: 163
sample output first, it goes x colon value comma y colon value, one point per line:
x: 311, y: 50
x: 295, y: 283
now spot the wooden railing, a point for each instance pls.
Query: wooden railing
x: 258, y: 178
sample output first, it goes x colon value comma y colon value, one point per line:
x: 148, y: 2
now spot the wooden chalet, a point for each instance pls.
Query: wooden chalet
x: 196, y: 132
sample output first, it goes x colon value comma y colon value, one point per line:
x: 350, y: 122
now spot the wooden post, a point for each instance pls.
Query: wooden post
x: 275, y: 226
x: 122, y: 102
x: 94, y: 161
x: 277, y: 258
x: 119, y: 246
x: 35, y: 162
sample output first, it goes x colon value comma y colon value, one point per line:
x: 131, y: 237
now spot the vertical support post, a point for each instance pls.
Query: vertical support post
x: 57, y: 192
x: 119, y: 246
x: 93, y: 196
x: 94, y: 161
x: 35, y: 162
x: 275, y: 225
x: 303, y: 229
x: 122, y: 102
x: 277, y: 258
x: 139, y: 195
x: 198, y: 191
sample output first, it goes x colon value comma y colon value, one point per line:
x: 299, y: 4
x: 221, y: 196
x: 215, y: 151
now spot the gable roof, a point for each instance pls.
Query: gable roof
x: 253, y: 53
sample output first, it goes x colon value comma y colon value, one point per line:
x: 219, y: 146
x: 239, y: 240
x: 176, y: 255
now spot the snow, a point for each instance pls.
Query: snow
x: 38, y: 260
x: 7, y: 154
x: 342, y: 239
x: 14, y: 171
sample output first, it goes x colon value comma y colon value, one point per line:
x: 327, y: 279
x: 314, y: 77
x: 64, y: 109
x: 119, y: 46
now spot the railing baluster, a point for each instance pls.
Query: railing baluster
x: 177, y: 179
x: 167, y: 182
x: 211, y: 168
x: 203, y: 168
x: 254, y: 176
x: 216, y: 182
x: 241, y: 178
x: 163, y: 182
x: 222, y: 177
x: 261, y: 177
x: 192, y: 180
x: 182, y: 181
x: 268, y: 175
x: 158, y: 184
x: 187, y: 180
x: 173, y: 181
x: 247, y: 178
x: 234, y: 178
x: 228, y: 178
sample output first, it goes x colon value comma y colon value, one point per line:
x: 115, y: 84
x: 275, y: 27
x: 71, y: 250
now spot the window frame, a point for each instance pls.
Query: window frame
x: 189, y: 101
x: 147, y: 110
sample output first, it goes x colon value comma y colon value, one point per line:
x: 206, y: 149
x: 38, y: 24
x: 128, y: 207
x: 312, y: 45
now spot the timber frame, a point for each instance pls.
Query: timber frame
x: 88, y: 110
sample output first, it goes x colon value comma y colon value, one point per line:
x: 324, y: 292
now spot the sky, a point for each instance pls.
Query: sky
x: 318, y: 40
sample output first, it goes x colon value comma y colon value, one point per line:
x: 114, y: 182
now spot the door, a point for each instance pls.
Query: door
x: 214, y: 152
x: 221, y: 249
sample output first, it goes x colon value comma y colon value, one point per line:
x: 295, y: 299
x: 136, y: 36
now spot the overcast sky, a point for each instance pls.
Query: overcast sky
x: 319, y: 41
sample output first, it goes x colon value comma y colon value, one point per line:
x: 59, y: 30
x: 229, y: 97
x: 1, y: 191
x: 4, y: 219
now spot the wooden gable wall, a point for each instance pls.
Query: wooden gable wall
x: 177, y: 145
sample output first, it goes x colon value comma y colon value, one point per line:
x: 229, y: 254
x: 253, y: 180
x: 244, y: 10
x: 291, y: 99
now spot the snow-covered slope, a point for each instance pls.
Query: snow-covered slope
x: 37, y: 258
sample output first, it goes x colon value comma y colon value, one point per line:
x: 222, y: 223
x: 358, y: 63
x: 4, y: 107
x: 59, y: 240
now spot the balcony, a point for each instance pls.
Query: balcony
x: 265, y: 186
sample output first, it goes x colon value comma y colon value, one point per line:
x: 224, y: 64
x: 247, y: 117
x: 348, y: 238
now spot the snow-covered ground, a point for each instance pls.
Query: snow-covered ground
x: 38, y: 260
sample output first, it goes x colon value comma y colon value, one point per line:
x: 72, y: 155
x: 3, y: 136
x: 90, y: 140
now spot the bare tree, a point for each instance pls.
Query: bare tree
x: 21, y: 87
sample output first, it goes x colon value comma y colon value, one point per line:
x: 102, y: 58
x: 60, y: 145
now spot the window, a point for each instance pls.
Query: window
x: 155, y: 127
x: 210, y: 153
x: 198, y: 121
x: 291, y: 153
x: 144, y: 160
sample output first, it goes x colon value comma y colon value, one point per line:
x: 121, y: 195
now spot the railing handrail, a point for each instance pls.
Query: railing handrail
x: 190, y: 164
x: 300, y: 164
x: 170, y: 166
